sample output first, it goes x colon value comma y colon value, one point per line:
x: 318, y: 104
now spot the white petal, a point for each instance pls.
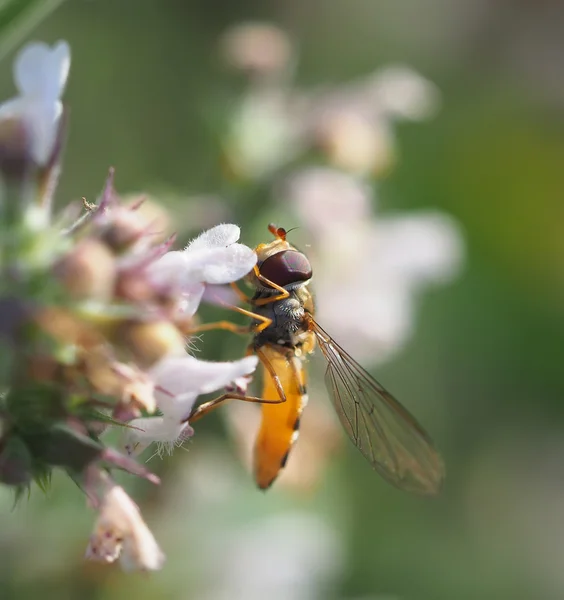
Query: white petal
x: 183, y: 378
x: 420, y: 248
x: 169, y: 268
x: 380, y: 324
x: 326, y: 199
x: 141, y: 552
x: 219, y: 265
x: 201, y: 264
x: 120, y: 529
x: 43, y: 123
x: 220, y: 236
x: 404, y: 93
x: 191, y: 298
x: 42, y: 72
x: 220, y: 295
x: 141, y: 433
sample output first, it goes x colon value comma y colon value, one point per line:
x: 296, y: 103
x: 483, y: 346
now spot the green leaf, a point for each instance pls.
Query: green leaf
x: 91, y: 414
x: 15, y: 461
x: 63, y: 446
x: 43, y: 479
x: 20, y: 492
x: 19, y: 17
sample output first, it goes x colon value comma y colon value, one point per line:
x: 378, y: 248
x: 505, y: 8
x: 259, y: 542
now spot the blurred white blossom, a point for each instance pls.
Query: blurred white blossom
x: 263, y: 135
x: 40, y: 74
x: 352, y: 123
x: 251, y: 546
x: 370, y: 270
x: 120, y: 532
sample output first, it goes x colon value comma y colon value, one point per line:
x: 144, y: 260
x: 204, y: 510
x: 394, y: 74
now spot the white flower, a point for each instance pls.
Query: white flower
x: 179, y: 380
x: 326, y: 200
x: 120, y: 532
x: 212, y: 258
x: 368, y: 270
x: 264, y: 134
x: 403, y: 93
x: 40, y: 74
x: 353, y: 122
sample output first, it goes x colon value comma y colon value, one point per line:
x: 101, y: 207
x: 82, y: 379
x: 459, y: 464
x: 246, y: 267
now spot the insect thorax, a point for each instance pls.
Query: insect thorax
x: 289, y: 326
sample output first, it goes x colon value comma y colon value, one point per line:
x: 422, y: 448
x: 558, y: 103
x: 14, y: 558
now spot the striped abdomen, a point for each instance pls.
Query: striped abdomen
x: 280, y: 422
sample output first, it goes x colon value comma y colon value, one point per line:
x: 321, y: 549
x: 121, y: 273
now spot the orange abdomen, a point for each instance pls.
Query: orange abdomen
x: 280, y: 422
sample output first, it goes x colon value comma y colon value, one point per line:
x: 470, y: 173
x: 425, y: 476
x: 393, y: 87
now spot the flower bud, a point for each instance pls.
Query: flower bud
x: 122, y: 227
x: 66, y: 327
x: 132, y: 388
x: 15, y: 150
x: 257, y: 48
x: 88, y: 272
x: 149, y: 341
x: 355, y: 144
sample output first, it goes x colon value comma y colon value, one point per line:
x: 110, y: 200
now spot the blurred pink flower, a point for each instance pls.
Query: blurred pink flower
x: 120, y: 532
x: 257, y: 49
x: 40, y: 73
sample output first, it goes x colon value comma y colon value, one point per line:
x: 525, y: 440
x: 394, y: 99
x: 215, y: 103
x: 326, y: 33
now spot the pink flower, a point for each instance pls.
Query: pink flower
x: 120, y: 532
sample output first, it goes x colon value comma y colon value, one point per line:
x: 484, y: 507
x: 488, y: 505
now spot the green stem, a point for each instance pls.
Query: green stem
x: 19, y: 17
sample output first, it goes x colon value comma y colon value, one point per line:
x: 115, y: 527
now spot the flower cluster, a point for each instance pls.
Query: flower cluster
x: 96, y: 317
x: 98, y: 310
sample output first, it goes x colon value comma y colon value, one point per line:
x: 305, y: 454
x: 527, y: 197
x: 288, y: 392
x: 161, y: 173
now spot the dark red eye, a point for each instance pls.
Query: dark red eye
x: 286, y: 267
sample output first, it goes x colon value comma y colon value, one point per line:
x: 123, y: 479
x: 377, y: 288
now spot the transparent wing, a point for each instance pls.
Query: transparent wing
x: 381, y: 428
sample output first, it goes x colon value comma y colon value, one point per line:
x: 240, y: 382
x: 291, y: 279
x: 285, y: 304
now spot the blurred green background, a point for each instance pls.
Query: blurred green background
x: 488, y: 353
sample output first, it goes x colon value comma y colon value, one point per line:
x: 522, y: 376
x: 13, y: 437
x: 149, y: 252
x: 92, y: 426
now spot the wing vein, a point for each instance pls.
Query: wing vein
x: 382, y: 429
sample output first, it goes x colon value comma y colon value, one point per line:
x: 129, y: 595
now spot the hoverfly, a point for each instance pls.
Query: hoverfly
x: 285, y: 333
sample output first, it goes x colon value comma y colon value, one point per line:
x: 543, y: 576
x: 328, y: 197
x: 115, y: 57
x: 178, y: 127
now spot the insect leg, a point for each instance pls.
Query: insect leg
x: 203, y: 409
x: 228, y: 326
x: 240, y: 292
x: 281, y: 296
x: 207, y: 407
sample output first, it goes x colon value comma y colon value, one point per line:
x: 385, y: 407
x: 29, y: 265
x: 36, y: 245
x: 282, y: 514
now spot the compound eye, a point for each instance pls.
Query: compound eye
x: 286, y: 267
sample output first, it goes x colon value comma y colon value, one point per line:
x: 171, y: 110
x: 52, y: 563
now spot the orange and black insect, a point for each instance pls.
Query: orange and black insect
x: 285, y: 333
